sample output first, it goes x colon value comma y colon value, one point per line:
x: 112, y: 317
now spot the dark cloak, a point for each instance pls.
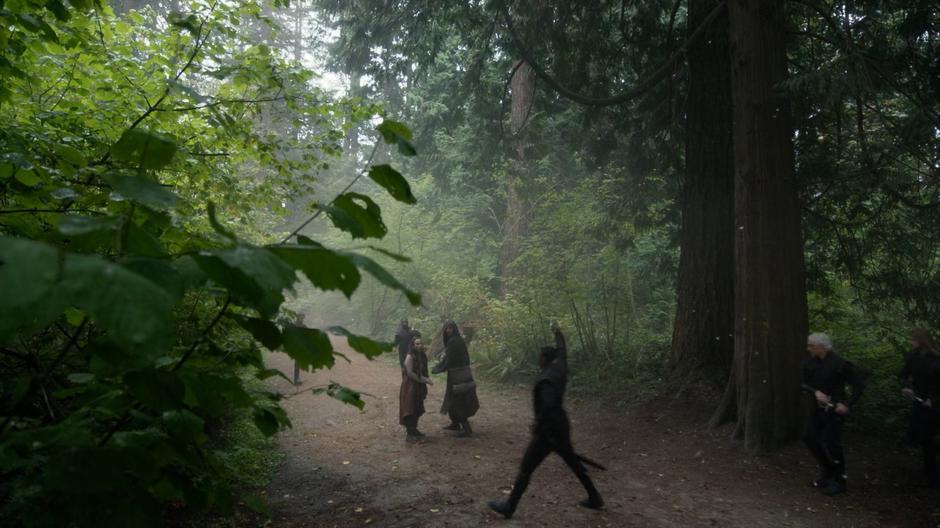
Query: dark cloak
x: 456, y: 362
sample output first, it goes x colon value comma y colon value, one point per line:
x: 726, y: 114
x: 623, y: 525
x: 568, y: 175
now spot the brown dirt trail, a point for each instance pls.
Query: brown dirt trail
x: 349, y: 468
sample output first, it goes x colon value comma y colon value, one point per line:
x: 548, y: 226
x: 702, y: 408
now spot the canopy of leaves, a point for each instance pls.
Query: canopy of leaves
x: 603, y: 184
x: 143, y: 160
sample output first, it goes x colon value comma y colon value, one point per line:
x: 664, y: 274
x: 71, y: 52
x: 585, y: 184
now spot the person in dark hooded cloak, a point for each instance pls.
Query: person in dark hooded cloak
x: 460, y: 396
x: 551, y: 431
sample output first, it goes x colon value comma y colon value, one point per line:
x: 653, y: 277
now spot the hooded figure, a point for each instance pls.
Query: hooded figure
x: 460, y: 397
x: 404, y: 336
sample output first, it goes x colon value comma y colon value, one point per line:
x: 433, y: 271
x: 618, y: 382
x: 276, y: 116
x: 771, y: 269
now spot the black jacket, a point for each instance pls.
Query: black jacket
x: 403, y: 339
x: 921, y: 373
x: 830, y: 375
x: 549, y: 392
x: 455, y: 355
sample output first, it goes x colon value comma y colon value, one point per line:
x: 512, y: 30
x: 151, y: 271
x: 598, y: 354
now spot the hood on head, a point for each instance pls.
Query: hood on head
x: 455, y: 332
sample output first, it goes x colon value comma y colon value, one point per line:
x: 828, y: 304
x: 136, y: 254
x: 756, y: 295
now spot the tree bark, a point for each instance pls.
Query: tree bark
x: 516, y: 225
x: 769, y: 286
x: 702, y: 338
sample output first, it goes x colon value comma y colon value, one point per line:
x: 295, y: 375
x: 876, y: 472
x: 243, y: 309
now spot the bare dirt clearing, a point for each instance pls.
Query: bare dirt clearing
x: 350, y: 468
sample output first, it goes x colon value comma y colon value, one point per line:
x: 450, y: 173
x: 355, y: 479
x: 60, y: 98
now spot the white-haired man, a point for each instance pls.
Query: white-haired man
x: 825, y: 375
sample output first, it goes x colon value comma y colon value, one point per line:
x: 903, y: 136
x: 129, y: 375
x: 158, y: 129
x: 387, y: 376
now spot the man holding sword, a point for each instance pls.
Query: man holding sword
x: 551, y: 430
x: 825, y: 374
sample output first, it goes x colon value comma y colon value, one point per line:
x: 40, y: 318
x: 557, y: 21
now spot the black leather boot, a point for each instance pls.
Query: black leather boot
x: 505, y: 507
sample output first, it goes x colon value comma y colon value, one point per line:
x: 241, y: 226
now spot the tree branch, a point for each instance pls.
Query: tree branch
x: 221, y: 102
x: 45, y: 373
x: 18, y: 211
x: 202, y: 335
x: 200, y: 42
x: 353, y: 182
x: 641, y: 87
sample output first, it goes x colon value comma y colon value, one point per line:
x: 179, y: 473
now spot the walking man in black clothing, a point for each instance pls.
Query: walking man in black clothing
x: 824, y: 374
x: 551, y: 430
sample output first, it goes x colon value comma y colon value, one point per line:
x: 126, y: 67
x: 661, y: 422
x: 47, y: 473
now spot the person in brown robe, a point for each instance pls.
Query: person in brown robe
x: 460, y: 397
x: 414, y: 388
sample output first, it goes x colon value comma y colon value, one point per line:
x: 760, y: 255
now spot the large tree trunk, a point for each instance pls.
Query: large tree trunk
x: 702, y: 337
x: 516, y: 223
x: 769, y: 287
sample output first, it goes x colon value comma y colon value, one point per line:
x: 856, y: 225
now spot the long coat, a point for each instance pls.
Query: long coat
x: 412, y: 394
x: 456, y: 361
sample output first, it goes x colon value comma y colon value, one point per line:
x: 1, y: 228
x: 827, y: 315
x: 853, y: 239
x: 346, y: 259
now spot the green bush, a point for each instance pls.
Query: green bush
x: 141, y: 268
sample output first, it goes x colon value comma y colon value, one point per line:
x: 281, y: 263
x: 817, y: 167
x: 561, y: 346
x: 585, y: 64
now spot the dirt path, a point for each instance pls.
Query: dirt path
x: 350, y: 468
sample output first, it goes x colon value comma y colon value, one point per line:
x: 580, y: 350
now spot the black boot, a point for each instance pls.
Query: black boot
x: 505, y: 508
x: 824, y: 478
x: 836, y: 486
x: 594, y: 502
x: 454, y: 426
x: 465, y: 429
x: 837, y: 483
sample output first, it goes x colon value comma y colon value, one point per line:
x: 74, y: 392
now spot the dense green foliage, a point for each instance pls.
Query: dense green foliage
x: 162, y: 168
x: 601, y: 257
x: 145, y: 161
x: 603, y: 193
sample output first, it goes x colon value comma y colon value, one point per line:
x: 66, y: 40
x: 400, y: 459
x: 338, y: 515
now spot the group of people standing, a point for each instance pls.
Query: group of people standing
x: 460, y: 393
x: 551, y: 430
x: 825, y: 375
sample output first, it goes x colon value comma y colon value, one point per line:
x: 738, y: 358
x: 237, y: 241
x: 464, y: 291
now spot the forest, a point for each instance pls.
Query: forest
x: 217, y: 215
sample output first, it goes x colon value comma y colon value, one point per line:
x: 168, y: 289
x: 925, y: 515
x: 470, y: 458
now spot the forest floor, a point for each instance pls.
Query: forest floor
x: 348, y: 468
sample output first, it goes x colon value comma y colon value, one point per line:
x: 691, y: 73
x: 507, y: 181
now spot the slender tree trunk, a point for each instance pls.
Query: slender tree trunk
x: 769, y: 287
x: 516, y: 225
x: 702, y: 338
x: 355, y: 90
x: 299, y: 32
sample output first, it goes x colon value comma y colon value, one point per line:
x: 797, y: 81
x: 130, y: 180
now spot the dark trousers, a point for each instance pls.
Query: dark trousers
x: 910, y: 436
x: 926, y: 421
x: 823, y: 437
x: 456, y: 418
x: 411, y: 423
x: 540, y: 447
